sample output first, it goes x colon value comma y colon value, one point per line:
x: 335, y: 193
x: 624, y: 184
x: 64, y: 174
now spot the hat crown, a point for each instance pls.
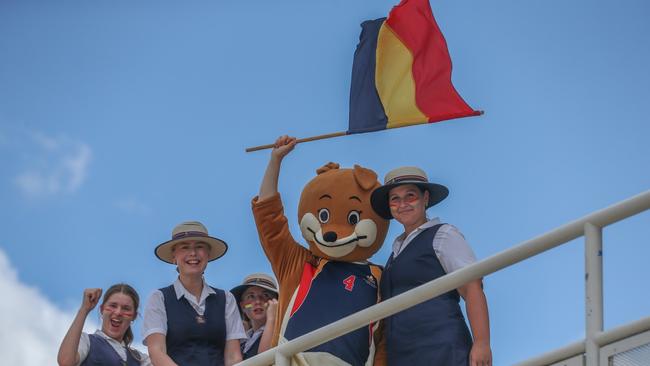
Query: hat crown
x: 189, y: 227
x: 263, y: 279
x: 406, y: 174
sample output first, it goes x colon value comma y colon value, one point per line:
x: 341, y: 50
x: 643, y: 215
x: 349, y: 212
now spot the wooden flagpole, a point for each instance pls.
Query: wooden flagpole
x: 313, y: 138
x: 337, y: 134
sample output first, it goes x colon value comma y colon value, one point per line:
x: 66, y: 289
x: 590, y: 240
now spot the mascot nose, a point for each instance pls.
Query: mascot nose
x: 329, y: 236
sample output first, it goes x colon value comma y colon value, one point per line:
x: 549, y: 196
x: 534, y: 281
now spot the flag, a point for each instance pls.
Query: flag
x: 401, y: 74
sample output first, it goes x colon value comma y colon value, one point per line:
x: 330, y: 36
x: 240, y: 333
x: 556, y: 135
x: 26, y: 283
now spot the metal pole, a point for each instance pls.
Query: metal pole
x: 624, y: 331
x: 593, y: 290
x: 555, y: 356
x: 282, y: 360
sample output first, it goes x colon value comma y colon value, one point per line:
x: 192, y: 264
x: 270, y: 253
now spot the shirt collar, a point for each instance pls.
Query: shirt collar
x: 250, y: 332
x: 180, y: 291
x: 100, y: 333
x: 430, y: 223
x: 253, y: 337
x: 403, y: 237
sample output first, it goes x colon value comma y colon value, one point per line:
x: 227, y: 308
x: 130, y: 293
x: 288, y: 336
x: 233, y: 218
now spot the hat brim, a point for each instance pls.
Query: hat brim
x: 218, y: 248
x: 237, y: 291
x: 379, y: 197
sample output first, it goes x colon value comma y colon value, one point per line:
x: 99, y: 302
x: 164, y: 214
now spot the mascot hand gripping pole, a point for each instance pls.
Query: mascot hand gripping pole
x: 332, y: 279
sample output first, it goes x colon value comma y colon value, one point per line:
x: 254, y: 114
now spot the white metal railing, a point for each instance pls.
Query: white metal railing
x: 578, y: 348
x: 590, y: 226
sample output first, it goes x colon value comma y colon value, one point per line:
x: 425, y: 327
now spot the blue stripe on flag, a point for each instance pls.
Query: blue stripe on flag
x: 366, y: 111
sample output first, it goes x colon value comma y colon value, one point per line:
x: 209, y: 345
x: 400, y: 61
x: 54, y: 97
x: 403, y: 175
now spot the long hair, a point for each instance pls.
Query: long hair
x: 129, y: 291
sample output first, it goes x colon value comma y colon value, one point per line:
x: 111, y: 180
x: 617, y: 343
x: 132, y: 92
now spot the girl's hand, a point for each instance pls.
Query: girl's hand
x: 90, y: 298
x: 271, y: 310
x: 480, y: 355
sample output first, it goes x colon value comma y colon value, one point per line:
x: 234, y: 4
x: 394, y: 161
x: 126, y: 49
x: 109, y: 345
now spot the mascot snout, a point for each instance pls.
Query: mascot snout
x: 337, y: 243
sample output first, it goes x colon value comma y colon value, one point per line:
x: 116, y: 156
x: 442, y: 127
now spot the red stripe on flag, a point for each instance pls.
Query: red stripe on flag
x: 413, y: 23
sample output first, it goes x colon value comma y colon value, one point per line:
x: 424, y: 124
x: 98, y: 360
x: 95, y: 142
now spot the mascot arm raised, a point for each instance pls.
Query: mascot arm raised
x: 282, y: 146
x: 285, y: 254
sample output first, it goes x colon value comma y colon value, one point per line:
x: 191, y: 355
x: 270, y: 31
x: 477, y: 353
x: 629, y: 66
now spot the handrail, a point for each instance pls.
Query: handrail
x: 577, y: 348
x: 453, y: 280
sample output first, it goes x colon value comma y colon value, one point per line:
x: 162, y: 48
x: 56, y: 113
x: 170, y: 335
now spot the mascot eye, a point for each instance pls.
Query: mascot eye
x: 323, y: 215
x: 354, y: 217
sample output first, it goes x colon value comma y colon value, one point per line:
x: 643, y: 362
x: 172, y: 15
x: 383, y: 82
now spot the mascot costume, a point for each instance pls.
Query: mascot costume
x: 332, y: 279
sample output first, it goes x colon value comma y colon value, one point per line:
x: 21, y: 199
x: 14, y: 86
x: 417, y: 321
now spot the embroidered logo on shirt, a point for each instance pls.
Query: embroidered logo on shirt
x: 370, y: 280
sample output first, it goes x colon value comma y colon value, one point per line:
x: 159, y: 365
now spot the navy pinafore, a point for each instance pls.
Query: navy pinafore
x: 193, y: 340
x: 433, y: 332
x: 102, y: 353
x: 253, y: 350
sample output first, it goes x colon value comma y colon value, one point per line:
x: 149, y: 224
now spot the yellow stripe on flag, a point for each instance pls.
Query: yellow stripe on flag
x: 394, y: 80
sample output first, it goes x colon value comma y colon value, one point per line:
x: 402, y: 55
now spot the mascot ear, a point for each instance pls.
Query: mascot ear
x: 327, y: 167
x: 366, y: 178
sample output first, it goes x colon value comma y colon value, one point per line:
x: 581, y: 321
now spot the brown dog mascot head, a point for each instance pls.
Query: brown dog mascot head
x: 336, y: 217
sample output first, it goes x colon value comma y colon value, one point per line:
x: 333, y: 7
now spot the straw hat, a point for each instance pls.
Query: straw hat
x: 405, y: 175
x: 190, y: 230
x: 256, y: 279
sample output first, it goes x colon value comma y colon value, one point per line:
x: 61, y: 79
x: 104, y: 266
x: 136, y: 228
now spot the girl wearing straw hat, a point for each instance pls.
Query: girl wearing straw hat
x: 111, y: 344
x: 433, y: 332
x: 258, y: 303
x: 190, y: 322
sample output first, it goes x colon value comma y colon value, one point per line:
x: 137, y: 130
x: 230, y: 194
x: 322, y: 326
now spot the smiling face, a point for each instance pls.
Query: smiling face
x: 191, y: 257
x: 407, y: 204
x: 336, y: 217
x: 117, y: 313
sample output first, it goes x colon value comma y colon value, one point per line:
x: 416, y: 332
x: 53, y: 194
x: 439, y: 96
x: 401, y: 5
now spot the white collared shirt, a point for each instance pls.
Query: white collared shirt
x: 119, y: 347
x: 253, y: 336
x: 449, y: 244
x: 155, y: 314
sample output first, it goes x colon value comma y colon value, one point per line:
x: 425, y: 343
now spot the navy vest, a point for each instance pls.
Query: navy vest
x: 340, y: 289
x: 253, y: 350
x: 433, y: 332
x: 193, y: 340
x: 102, y: 353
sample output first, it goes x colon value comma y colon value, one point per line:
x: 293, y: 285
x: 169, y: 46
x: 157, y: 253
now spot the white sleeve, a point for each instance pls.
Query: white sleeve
x: 155, y: 316
x: 234, y: 326
x: 452, y: 249
x: 84, y: 347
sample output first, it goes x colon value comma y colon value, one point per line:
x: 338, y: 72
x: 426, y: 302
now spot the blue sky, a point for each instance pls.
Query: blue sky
x: 119, y: 119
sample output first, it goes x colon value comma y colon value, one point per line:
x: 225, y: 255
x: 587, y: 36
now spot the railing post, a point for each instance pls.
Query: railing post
x: 593, y: 290
x: 281, y: 359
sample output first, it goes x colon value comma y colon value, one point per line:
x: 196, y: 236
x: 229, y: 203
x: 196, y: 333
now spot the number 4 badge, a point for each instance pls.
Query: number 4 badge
x: 349, y: 282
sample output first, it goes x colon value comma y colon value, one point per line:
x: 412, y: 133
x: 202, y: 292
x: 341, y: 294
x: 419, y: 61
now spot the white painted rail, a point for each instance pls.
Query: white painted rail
x: 589, y: 226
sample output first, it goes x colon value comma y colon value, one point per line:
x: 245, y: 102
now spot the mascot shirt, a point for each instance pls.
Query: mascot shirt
x: 327, y: 293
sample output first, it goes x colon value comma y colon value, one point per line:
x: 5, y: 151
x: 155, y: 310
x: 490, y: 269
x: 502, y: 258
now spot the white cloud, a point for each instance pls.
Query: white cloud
x: 46, y: 142
x: 132, y: 206
x: 59, y: 165
x: 77, y: 165
x: 33, y: 326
